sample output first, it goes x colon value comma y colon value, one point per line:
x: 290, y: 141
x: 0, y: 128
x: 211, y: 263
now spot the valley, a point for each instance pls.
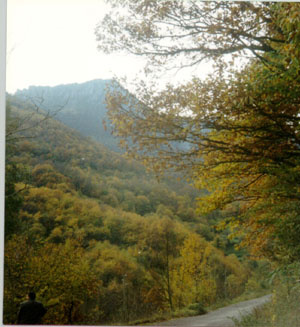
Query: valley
x: 100, y: 239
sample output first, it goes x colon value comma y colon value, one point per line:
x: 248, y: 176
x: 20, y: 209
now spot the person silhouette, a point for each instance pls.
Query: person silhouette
x: 31, y: 311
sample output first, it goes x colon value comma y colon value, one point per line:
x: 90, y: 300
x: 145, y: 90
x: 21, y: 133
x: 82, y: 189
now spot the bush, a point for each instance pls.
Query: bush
x: 198, y: 308
x: 252, y: 285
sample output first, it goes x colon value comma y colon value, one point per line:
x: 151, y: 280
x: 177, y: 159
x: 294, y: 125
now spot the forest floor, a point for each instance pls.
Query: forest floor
x: 219, y: 318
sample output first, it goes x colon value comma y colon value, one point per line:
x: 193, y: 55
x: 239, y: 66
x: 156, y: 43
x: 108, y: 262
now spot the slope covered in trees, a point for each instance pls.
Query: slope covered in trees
x: 98, y: 238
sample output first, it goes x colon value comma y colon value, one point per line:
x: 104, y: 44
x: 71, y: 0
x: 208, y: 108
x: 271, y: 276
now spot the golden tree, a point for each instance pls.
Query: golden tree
x: 236, y: 134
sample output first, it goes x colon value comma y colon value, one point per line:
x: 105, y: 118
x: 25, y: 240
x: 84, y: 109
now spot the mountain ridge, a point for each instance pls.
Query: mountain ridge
x: 80, y: 106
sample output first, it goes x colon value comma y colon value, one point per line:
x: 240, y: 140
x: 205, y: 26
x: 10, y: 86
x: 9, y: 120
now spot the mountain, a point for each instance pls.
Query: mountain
x: 80, y: 106
x: 93, y: 169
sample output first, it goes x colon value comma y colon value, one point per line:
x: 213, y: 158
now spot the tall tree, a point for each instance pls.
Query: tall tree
x: 160, y: 245
x: 236, y: 134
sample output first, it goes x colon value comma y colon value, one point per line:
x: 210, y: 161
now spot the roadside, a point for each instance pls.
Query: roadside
x: 221, y: 317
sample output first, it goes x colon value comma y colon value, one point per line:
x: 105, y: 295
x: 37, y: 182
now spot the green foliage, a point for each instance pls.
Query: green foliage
x: 13, y: 199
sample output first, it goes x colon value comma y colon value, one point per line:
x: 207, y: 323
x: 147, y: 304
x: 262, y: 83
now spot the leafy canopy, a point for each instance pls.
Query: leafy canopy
x: 183, y: 33
x: 236, y: 134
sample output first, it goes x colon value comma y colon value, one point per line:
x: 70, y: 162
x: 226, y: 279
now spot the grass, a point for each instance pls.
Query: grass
x: 243, y: 297
x: 282, y: 311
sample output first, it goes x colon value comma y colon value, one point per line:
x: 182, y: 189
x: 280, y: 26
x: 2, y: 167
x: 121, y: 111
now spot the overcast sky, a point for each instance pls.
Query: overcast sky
x: 52, y: 42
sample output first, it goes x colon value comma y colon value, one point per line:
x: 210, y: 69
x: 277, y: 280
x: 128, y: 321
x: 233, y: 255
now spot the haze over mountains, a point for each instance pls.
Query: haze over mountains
x: 83, y: 107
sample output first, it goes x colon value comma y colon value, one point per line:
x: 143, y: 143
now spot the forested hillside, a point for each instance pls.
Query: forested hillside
x: 104, y: 242
x: 99, y: 239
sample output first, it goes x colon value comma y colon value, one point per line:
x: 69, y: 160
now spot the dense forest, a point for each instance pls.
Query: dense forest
x: 100, y: 239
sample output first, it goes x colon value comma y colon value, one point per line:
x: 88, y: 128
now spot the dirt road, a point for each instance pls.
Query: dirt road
x: 220, y: 317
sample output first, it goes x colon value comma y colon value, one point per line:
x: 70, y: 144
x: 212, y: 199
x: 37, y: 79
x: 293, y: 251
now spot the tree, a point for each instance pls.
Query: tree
x: 159, y: 247
x: 204, y: 274
x: 196, y: 272
x: 18, y: 127
x: 184, y: 33
x: 236, y: 134
x: 16, y: 257
x: 13, y: 198
x: 124, y: 283
x: 22, y: 125
x: 60, y: 274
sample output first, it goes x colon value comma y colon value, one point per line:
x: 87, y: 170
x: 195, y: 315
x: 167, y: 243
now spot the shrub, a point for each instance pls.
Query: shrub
x: 198, y: 308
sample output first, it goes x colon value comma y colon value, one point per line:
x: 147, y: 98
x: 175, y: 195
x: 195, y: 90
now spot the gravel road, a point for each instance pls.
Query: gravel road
x: 220, y: 317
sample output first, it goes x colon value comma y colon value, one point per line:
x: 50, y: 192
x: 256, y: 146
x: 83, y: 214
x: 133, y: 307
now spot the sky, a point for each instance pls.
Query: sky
x: 51, y: 42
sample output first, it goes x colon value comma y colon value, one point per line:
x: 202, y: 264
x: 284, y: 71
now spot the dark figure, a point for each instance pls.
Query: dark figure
x: 31, y: 311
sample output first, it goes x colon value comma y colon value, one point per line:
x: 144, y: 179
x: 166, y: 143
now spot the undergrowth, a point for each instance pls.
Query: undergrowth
x: 284, y: 308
